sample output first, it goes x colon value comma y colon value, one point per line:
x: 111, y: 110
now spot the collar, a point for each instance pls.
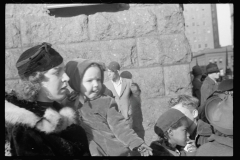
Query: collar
x: 119, y: 82
x: 215, y: 82
x: 203, y: 128
x: 51, y: 121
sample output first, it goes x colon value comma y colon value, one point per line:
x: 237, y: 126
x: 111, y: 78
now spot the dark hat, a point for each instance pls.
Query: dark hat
x: 219, y: 113
x: 39, y: 58
x: 196, y: 70
x: 166, y: 120
x: 226, y: 85
x: 228, y: 71
x: 114, y: 66
x: 212, y: 68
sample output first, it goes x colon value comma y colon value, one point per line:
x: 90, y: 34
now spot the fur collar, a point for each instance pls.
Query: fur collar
x: 51, y: 122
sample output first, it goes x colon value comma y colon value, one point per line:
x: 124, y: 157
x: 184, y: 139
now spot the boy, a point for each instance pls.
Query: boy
x: 171, y: 127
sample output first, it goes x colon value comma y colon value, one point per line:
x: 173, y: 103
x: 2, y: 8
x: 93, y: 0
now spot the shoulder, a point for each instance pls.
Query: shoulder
x: 159, y: 150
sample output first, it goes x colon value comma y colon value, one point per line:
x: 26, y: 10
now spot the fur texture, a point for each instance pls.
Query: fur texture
x: 51, y: 122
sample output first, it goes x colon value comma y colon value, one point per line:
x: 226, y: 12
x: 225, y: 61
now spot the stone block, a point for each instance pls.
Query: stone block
x: 177, y: 79
x: 12, y: 33
x: 11, y: 57
x: 34, y: 30
x: 163, y: 50
x: 121, y: 51
x: 21, y: 10
x: 170, y: 18
x: 79, y: 50
x: 68, y: 30
x: 125, y: 24
x: 9, y: 10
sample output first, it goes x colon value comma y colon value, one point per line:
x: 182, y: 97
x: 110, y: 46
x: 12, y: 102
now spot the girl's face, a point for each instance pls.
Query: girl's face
x: 54, y: 84
x: 91, y: 83
x: 179, y: 136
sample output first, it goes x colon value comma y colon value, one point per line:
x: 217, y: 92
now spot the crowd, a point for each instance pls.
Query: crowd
x: 97, y: 118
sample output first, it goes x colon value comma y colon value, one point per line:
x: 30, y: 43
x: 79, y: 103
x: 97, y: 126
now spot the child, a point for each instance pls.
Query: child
x: 35, y: 123
x: 171, y: 127
x: 107, y: 131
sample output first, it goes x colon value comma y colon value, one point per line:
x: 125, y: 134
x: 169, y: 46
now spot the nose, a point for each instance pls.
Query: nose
x: 65, y: 78
x: 95, y: 83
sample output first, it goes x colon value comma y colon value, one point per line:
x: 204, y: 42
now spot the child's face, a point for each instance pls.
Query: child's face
x: 91, y: 83
x: 179, y: 135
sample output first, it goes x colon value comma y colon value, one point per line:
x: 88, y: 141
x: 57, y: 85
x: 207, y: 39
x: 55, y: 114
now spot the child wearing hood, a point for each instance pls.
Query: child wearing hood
x: 107, y: 130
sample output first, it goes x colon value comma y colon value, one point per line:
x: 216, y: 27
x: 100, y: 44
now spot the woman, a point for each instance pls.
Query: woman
x: 36, y: 124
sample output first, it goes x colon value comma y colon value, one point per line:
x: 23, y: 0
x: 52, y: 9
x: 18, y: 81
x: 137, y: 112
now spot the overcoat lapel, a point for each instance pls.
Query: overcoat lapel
x: 124, y: 84
x: 112, y: 88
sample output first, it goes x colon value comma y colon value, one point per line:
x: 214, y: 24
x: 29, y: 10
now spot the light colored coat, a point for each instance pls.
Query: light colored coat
x: 123, y: 100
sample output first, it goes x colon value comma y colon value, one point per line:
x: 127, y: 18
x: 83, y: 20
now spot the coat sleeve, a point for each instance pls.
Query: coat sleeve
x: 121, y: 128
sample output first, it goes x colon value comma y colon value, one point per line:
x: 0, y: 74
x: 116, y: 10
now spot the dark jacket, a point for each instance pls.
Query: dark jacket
x: 207, y: 89
x: 43, y: 129
x: 160, y: 150
x: 217, y: 146
x: 108, y: 131
x: 197, y: 84
x: 204, y: 131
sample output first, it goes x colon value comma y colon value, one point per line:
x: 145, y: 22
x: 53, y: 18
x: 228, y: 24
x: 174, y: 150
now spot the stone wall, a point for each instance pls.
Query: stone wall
x: 147, y: 40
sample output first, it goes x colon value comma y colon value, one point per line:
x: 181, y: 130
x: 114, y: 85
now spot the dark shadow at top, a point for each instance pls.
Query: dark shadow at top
x: 87, y: 10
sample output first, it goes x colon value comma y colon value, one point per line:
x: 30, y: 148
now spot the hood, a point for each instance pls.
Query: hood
x: 51, y: 121
x: 75, y: 70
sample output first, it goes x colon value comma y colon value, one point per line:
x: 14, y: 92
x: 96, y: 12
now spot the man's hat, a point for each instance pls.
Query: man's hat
x: 114, y: 66
x: 196, y: 70
x: 38, y: 58
x: 212, y: 68
x: 220, y: 114
x: 226, y: 85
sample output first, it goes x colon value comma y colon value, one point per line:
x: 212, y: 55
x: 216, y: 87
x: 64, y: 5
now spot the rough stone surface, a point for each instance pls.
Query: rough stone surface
x: 12, y: 33
x: 122, y: 51
x: 162, y: 50
x: 177, y: 80
x: 21, y: 10
x: 126, y: 24
x: 169, y: 18
x: 9, y: 10
x: 34, y: 30
x: 11, y: 57
x: 68, y: 30
x: 11, y: 84
x: 152, y: 109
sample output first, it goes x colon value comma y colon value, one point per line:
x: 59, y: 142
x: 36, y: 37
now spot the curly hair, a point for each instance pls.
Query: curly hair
x: 187, y: 101
x: 29, y: 87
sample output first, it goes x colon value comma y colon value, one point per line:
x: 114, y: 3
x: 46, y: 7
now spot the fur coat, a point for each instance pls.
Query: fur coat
x: 34, y: 129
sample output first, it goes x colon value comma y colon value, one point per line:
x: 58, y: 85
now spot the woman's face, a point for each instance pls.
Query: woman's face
x: 54, y: 84
x: 91, y: 83
x: 179, y: 135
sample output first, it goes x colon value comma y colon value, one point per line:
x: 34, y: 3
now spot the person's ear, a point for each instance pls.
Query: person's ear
x: 170, y: 132
x: 195, y: 113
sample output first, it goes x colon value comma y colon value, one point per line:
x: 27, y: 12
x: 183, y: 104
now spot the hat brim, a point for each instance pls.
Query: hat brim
x: 209, y: 109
